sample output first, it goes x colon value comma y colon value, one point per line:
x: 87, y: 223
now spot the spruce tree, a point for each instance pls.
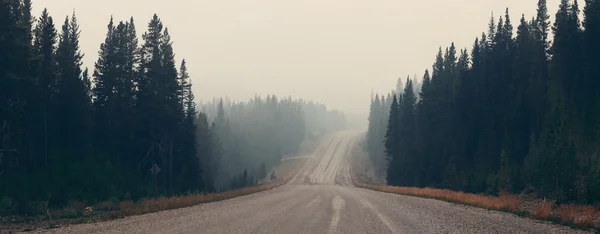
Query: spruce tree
x: 391, y: 147
x: 540, y: 70
x: 191, y: 165
x: 103, y: 95
x: 72, y: 95
x: 591, y: 52
x: 17, y: 92
x: 406, y: 137
x: 542, y: 24
x: 45, y: 72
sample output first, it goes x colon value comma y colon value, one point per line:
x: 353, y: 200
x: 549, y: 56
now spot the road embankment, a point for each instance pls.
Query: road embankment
x: 578, y: 216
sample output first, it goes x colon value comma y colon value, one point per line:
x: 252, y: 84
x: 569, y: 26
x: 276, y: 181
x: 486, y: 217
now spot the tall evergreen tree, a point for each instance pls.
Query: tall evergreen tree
x: 103, y: 95
x: 17, y: 92
x: 521, y: 112
x: 540, y: 70
x: 190, y: 169
x: 45, y: 72
x: 72, y: 95
x: 406, y: 131
x: 391, y: 147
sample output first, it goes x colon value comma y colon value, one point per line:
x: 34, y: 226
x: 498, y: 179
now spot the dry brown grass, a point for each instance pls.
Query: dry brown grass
x: 587, y: 216
x: 581, y: 216
x: 144, y: 206
x: 566, y: 213
x: 285, y: 172
x: 544, y: 210
x: 504, y: 202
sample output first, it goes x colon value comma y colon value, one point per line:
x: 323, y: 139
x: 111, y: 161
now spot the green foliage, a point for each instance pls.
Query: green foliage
x: 509, y: 117
x: 65, y: 138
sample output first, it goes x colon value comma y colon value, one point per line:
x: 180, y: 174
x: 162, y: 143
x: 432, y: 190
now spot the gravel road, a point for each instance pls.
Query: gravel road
x: 321, y: 199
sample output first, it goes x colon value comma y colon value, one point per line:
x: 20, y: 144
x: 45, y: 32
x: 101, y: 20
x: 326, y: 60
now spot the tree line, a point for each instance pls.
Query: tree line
x: 69, y: 134
x: 518, y: 113
x: 377, y: 125
x: 256, y: 134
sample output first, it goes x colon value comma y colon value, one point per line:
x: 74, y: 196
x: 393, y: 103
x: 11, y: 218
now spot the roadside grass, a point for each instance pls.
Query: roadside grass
x: 577, y: 216
x: 75, y: 212
x: 284, y: 172
x: 128, y: 208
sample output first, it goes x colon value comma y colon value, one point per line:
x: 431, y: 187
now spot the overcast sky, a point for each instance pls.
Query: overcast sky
x: 330, y: 51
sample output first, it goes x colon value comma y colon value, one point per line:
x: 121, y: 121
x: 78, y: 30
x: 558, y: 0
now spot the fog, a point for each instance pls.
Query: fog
x: 333, y: 52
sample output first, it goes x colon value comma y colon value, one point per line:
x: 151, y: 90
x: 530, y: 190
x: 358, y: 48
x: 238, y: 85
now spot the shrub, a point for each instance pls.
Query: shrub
x: 106, y: 206
x: 73, y: 209
x: 566, y: 213
x: 588, y: 214
x: 127, y: 207
x: 544, y: 210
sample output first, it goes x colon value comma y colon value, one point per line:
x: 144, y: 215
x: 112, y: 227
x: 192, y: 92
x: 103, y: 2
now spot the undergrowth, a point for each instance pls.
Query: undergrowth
x: 579, y: 216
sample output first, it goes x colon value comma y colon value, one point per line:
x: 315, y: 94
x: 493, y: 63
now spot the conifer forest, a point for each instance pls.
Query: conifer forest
x: 516, y: 112
x: 69, y: 133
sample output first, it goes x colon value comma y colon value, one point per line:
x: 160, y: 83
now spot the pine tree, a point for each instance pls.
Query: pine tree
x: 540, y: 71
x: 45, y: 72
x: 542, y: 24
x: 221, y: 112
x: 521, y: 119
x: 103, y: 95
x: 208, y: 150
x: 147, y: 102
x: 17, y: 91
x: 406, y: 137
x: 72, y: 95
x: 391, y: 147
x: 424, y: 112
x: 114, y: 99
x: 565, y: 53
x: 558, y: 162
x: 190, y: 163
x: 590, y: 37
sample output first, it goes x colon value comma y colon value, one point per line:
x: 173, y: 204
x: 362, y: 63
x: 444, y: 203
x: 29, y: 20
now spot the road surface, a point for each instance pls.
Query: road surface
x: 321, y: 199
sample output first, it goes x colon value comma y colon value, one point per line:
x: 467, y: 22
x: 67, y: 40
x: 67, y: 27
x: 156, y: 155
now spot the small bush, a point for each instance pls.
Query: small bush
x: 127, y: 207
x: 566, y: 213
x: 587, y: 216
x: 510, y: 202
x: 106, y: 206
x: 544, y: 210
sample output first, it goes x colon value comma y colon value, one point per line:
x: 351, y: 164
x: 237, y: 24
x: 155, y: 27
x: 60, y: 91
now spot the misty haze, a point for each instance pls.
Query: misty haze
x: 300, y: 116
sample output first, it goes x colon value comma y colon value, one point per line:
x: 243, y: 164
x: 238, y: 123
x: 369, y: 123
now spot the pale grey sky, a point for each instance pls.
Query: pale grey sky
x: 332, y: 51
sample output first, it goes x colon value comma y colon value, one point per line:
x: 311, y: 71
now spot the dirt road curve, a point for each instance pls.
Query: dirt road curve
x: 320, y: 199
